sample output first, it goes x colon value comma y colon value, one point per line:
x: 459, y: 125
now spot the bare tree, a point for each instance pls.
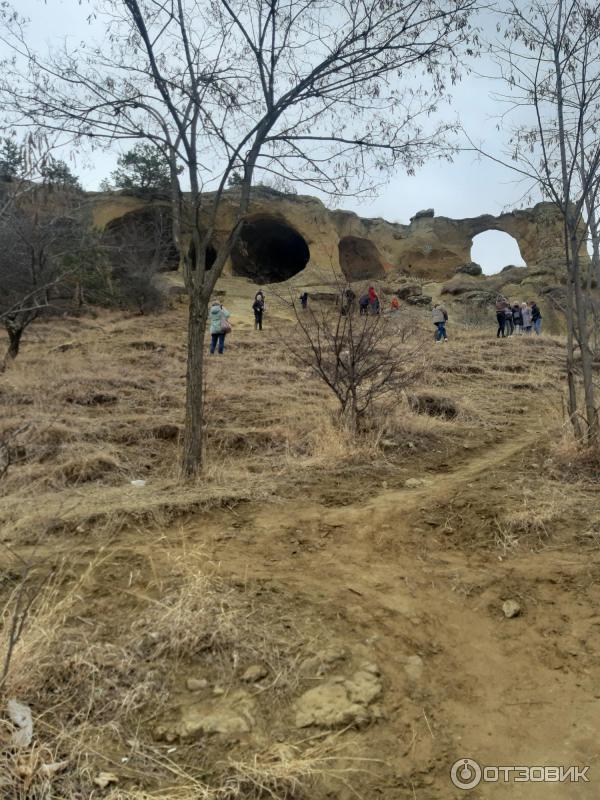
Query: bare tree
x: 549, y: 57
x: 328, y: 94
x: 40, y: 234
x: 365, y: 360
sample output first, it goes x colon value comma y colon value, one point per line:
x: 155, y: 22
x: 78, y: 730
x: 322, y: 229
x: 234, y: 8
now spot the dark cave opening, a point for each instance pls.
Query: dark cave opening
x: 143, y: 237
x: 359, y: 259
x: 269, y: 251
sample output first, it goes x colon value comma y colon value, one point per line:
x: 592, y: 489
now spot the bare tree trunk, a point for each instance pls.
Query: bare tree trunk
x: 591, y: 412
x: 14, y: 337
x: 594, y: 273
x: 595, y: 236
x: 193, y: 440
x: 570, y: 362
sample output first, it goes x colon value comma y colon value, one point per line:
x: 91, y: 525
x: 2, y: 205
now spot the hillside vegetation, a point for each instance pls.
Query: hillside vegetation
x: 319, y: 616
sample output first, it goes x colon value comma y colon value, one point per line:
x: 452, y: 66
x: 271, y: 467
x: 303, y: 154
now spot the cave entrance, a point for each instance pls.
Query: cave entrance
x: 143, y: 238
x: 269, y: 251
x: 495, y: 250
x: 359, y: 259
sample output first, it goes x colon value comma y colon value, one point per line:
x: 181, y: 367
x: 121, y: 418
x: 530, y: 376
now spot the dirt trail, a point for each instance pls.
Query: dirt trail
x: 494, y: 689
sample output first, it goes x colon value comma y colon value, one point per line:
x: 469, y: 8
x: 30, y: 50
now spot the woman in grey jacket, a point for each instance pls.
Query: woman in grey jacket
x: 219, y: 326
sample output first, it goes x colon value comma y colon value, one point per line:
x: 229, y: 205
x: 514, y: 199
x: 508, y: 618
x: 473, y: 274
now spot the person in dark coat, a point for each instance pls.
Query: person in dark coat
x: 517, y: 318
x: 258, y: 307
x: 501, y: 306
x: 536, y: 317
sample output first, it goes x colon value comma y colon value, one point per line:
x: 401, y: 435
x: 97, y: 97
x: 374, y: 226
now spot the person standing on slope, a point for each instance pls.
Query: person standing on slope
x: 439, y: 317
x: 526, y: 317
x: 536, y: 317
x: 258, y: 307
x: 219, y: 326
x: 501, y: 306
x: 374, y: 304
x: 517, y: 318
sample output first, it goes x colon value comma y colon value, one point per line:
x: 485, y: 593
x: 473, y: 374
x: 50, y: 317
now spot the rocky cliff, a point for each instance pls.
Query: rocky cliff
x: 293, y: 235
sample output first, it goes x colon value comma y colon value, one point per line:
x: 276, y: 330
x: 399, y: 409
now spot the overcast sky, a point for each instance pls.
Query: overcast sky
x: 465, y: 188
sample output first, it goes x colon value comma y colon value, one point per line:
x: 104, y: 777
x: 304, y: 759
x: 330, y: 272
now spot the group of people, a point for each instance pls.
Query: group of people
x: 220, y: 325
x: 517, y: 318
x: 369, y: 302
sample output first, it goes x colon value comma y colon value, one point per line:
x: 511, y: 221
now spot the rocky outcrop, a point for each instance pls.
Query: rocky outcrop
x: 287, y: 236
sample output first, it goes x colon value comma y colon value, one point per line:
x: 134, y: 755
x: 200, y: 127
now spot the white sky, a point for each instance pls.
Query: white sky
x: 465, y: 188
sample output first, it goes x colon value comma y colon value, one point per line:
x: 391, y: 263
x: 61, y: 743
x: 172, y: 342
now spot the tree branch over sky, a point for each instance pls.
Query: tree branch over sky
x: 333, y: 95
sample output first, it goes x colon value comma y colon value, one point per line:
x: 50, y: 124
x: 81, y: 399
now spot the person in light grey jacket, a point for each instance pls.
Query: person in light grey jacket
x: 219, y: 326
x: 439, y: 317
x: 526, y: 315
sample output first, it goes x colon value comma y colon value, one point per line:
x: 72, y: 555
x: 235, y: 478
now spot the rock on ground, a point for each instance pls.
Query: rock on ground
x: 233, y: 714
x: 511, y: 608
x: 341, y: 701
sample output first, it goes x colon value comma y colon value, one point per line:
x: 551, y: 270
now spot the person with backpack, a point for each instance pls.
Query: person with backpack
x: 374, y: 304
x: 219, y: 326
x: 517, y: 318
x: 439, y: 317
x: 258, y: 307
x: 536, y: 317
x: 363, y: 304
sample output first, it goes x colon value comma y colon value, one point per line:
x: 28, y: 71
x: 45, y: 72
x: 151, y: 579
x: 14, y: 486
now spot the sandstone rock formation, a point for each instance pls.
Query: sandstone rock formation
x: 287, y: 236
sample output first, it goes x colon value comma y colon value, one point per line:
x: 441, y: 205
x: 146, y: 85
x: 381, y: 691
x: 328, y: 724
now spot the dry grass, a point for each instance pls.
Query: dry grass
x: 88, y: 686
x: 112, y: 638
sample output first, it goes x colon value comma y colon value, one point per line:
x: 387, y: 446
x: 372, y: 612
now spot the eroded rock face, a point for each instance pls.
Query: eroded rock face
x: 300, y: 236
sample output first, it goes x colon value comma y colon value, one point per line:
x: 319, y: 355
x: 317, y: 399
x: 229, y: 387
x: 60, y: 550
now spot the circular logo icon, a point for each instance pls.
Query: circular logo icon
x: 465, y: 773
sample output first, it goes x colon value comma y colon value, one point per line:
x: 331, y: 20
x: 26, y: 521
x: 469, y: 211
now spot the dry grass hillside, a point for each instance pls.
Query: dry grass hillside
x: 317, y: 617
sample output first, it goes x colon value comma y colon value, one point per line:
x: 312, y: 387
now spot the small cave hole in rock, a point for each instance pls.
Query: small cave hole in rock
x: 143, y: 238
x: 210, y: 255
x: 359, y: 259
x: 269, y: 251
x: 495, y: 251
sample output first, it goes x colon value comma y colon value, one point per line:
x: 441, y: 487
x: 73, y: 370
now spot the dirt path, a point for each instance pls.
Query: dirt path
x: 504, y: 692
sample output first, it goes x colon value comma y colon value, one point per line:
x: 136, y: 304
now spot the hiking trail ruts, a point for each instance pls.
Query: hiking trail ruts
x: 490, y: 691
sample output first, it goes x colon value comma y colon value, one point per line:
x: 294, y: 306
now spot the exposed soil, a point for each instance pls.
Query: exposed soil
x: 401, y: 560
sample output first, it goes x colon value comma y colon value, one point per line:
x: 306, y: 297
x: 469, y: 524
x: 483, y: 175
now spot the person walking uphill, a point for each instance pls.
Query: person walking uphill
x: 219, y: 326
x: 439, y: 317
x: 258, y: 307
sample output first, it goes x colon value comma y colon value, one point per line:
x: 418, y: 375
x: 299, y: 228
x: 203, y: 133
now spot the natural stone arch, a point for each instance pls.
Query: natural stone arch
x: 269, y: 250
x: 359, y: 259
x: 501, y: 242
